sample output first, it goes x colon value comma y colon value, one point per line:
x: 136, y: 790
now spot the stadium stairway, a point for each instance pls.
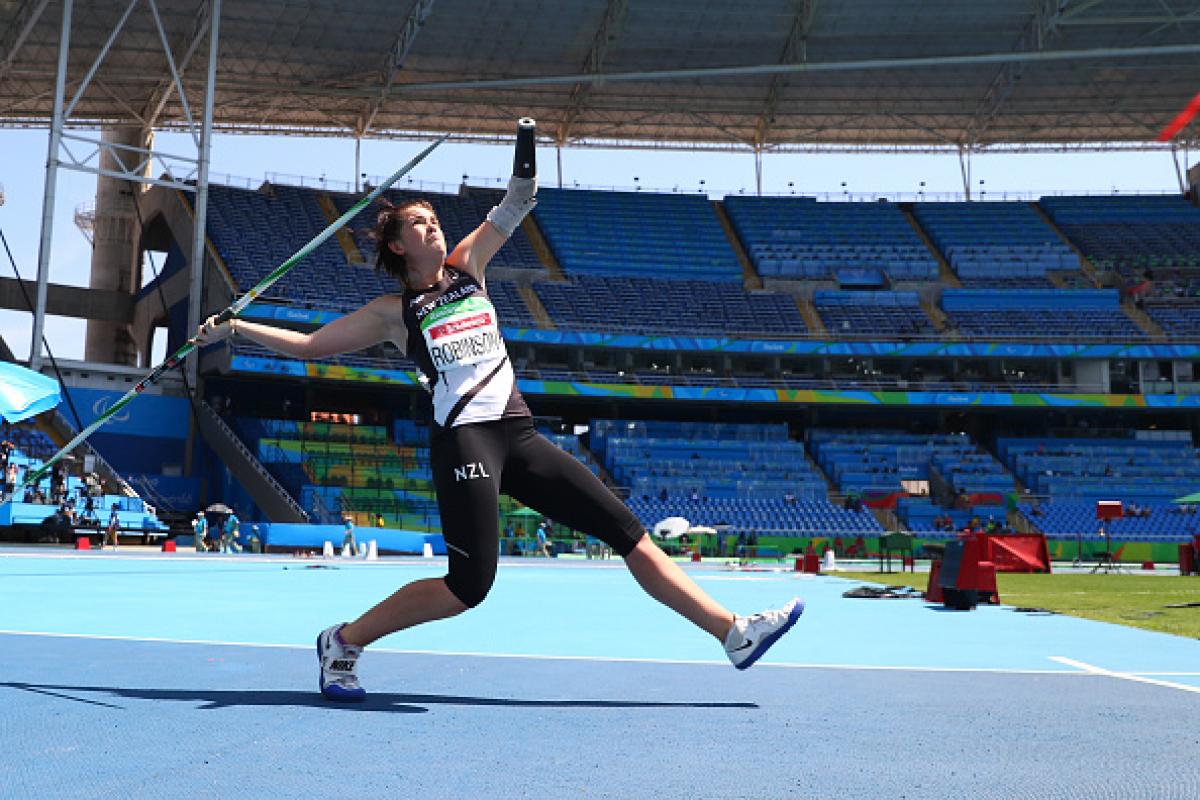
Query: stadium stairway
x: 542, y: 248
x: 750, y: 278
x: 1142, y: 320
x: 1085, y: 265
x: 946, y: 275
x: 809, y: 313
x: 344, y: 236
x: 536, y: 309
x: 268, y: 494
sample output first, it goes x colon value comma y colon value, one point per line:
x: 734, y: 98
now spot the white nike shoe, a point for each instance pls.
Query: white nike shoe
x: 752, y: 636
x: 338, y: 661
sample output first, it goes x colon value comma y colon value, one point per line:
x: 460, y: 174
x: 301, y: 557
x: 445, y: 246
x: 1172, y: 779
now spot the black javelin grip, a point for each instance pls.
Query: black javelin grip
x: 524, y: 162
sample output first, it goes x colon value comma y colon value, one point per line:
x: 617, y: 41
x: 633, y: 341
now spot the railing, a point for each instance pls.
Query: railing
x: 696, y: 187
x: 106, y: 469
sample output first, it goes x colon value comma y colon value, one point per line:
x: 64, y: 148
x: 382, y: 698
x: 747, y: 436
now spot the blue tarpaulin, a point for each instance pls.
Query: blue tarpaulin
x: 25, y: 393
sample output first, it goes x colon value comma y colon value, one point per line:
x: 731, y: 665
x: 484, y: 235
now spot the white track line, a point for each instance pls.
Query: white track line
x: 1090, y: 669
x: 609, y: 659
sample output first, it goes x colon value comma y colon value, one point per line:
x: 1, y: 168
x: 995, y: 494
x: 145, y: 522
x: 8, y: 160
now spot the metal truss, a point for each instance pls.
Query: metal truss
x: 606, y: 34
x: 82, y: 152
x: 393, y: 63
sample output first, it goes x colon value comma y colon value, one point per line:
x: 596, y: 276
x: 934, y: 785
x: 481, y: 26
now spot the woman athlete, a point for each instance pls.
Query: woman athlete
x: 482, y: 441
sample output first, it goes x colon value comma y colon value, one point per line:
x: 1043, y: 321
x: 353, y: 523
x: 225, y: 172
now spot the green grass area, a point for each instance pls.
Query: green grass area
x: 1135, y: 600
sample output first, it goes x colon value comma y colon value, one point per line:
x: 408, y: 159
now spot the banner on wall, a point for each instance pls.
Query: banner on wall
x: 150, y: 415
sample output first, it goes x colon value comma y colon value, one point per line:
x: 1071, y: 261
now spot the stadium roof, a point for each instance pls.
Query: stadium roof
x: 776, y: 74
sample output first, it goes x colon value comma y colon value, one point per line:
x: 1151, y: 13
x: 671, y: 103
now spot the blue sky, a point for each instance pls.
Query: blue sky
x: 22, y: 172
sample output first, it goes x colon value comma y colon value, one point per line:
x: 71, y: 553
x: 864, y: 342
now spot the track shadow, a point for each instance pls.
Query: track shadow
x: 378, y: 701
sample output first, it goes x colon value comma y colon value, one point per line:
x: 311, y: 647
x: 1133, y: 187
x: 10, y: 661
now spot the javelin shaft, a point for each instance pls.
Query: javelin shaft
x: 232, y: 311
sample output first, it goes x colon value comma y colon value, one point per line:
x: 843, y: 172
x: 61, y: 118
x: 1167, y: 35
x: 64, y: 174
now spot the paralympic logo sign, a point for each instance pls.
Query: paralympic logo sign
x: 101, y: 404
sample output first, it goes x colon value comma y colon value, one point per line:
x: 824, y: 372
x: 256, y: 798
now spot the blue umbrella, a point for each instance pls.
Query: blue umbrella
x: 25, y: 393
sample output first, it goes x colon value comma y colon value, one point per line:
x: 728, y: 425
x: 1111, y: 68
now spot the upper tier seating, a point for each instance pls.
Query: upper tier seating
x: 458, y: 215
x: 890, y: 313
x: 1067, y: 313
x: 800, y: 238
x: 636, y: 235
x: 877, y: 461
x: 1143, y: 470
x: 256, y: 231
x: 655, y: 305
x: 995, y: 245
x: 1131, y: 234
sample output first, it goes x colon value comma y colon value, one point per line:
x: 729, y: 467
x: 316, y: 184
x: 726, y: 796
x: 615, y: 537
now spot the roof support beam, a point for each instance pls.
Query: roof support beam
x: 23, y: 23
x: 1040, y: 29
x: 981, y: 59
x: 162, y: 93
x: 393, y: 64
x: 795, y: 50
x: 609, y: 30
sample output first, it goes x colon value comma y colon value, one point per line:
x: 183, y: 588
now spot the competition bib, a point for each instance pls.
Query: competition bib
x: 462, y: 334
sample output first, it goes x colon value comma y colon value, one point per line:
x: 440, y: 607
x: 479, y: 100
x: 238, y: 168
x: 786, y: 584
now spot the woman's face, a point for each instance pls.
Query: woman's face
x: 421, y: 237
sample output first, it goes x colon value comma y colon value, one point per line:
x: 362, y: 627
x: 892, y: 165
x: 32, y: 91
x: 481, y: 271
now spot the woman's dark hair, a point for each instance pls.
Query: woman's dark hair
x: 388, y: 222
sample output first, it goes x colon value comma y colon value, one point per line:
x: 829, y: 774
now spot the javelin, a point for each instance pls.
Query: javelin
x: 230, y: 313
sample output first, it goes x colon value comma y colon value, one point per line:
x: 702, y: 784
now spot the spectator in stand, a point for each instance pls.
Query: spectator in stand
x: 10, y: 480
x: 379, y: 522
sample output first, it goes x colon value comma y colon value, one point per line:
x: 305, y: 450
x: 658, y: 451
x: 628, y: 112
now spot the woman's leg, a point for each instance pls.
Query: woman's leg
x: 663, y: 580
x: 553, y: 482
x: 420, y: 601
x: 467, y: 497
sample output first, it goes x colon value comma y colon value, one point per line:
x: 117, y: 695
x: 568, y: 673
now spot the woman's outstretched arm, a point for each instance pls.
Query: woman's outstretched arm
x: 377, y: 321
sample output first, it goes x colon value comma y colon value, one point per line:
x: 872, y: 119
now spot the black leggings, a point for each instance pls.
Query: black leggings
x: 474, y: 463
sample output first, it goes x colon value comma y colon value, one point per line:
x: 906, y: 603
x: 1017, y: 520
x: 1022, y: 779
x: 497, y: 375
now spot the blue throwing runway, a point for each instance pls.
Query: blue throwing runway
x: 173, y: 675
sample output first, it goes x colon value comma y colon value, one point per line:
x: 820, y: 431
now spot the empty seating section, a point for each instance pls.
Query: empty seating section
x: 799, y: 238
x: 877, y: 461
x: 337, y: 468
x: 997, y: 245
x: 889, y: 313
x: 1069, y: 313
x: 655, y: 305
x: 1132, y: 234
x: 748, y: 477
x: 637, y: 235
x: 1175, y: 317
x: 1142, y: 470
x: 1066, y: 520
x: 256, y: 231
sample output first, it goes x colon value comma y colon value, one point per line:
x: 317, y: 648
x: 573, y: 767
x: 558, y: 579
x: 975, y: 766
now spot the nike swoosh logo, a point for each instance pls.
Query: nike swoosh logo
x: 749, y: 643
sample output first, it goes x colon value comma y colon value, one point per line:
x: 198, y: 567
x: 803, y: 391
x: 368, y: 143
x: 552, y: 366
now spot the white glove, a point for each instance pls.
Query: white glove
x: 212, y: 332
x: 518, y: 201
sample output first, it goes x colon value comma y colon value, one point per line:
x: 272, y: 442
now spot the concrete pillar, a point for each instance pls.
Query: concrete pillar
x: 116, y: 264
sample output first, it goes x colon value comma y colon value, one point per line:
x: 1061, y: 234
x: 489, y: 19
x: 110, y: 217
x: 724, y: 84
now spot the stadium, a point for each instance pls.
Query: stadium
x: 988, y: 393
